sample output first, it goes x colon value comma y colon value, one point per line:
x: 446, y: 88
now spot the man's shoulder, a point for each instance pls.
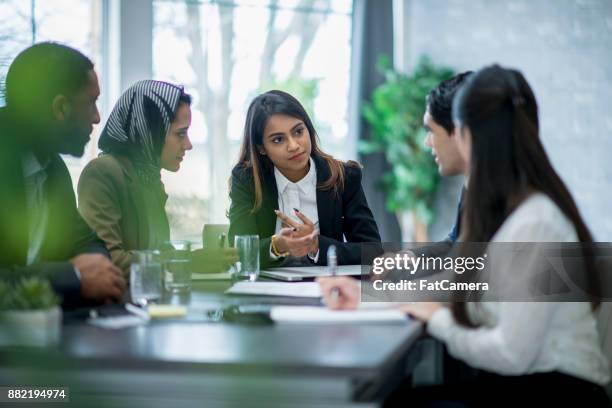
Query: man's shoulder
x: 56, y: 166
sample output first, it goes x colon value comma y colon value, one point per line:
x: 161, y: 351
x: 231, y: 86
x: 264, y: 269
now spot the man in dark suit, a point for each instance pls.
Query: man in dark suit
x: 438, y: 123
x: 441, y: 139
x: 51, y: 93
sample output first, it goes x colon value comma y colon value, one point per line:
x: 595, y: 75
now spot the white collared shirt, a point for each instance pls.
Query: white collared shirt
x: 36, y: 204
x: 301, y: 195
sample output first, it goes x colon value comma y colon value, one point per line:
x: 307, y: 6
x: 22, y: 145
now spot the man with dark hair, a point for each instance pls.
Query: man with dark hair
x: 440, y: 128
x: 51, y: 93
x: 441, y: 139
x: 438, y: 123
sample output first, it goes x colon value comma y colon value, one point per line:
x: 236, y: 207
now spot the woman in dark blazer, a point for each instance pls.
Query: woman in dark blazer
x: 298, y: 199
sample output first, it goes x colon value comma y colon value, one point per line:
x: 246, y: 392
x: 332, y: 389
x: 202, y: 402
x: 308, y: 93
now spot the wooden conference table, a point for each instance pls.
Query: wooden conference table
x: 196, y: 361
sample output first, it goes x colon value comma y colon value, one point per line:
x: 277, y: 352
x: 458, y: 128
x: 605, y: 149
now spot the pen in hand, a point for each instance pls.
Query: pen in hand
x: 332, y: 265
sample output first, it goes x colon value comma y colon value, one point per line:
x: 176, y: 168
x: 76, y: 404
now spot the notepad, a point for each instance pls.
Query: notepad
x: 165, y: 311
x: 211, y: 276
x: 310, y: 314
x: 299, y: 289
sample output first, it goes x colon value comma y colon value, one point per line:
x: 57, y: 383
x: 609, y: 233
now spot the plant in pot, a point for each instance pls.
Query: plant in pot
x: 395, y: 115
x: 29, y: 313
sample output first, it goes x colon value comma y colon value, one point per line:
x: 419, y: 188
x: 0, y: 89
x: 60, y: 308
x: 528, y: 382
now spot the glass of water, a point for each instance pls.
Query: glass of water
x: 248, y: 253
x: 177, y: 266
x: 146, y: 277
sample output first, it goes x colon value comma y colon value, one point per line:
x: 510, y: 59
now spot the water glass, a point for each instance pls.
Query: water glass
x: 248, y: 253
x: 146, y: 277
x: 177, y: 265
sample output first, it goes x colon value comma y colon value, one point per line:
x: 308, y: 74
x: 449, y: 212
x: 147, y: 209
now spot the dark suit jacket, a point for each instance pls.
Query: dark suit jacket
x: 435, y: 249
x: 443, y: 247
x: 66, y: 234
x: 345, y: 216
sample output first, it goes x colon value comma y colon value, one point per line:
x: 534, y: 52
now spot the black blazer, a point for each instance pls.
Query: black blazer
x: 345, y: 216
x: 66, y: 234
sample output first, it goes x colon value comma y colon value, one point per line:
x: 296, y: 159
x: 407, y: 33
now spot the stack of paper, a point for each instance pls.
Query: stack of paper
x: 300, y: 289
x: 310, y: 314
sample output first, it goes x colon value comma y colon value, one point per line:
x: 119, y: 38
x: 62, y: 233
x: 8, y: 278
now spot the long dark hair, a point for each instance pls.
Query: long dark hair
x: 508, y: 161
x: 261, y: 109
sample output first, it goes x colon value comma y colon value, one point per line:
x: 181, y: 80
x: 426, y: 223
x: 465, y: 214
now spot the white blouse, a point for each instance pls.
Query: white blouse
x: 301, y: 195
x: 529, y: 337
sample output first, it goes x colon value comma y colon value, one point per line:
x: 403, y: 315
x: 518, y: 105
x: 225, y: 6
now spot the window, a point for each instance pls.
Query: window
x: 225, y: 53
x: 73, y: 22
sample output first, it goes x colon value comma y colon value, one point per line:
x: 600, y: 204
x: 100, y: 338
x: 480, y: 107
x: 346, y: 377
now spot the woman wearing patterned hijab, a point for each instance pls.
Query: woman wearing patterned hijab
x: 121, y: 194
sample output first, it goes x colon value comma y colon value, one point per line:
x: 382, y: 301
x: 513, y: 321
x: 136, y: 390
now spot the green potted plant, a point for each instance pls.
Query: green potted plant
x: 395, y: 115
x: 29, y: 313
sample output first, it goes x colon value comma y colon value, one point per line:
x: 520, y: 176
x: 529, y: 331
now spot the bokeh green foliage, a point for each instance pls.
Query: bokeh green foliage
x: 395, y: 115
x: 27, y: 294
x: 304, y: 90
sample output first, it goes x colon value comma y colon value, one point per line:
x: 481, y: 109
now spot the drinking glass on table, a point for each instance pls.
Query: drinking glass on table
x: 248, y: 253
x: 177, y: 265
x: 146, y: 277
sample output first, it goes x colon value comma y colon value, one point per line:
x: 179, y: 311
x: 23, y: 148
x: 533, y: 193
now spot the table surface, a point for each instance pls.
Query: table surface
x: 184, y: 361
x: 196, y: 341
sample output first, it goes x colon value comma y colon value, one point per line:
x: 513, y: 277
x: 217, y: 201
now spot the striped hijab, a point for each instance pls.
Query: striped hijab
x: 138, y: 125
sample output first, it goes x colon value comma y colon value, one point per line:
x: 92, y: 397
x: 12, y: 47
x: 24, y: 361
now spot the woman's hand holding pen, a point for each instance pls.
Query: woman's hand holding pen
x: 421, y: 310
x: 347, y: 292
x: 287, y: 241
x: 297, y: 238
x: 348, y: 295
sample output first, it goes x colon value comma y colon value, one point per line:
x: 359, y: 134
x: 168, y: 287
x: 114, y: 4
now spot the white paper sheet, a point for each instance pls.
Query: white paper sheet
x: 301, y: 272
x: 312, y: 314
x: 117, y: 322
x: 299, y: 289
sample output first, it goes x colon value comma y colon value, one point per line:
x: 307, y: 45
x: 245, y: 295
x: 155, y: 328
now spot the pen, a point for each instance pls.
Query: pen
x: 143, y: 314
x: 222, y: 240
x: 332, y: 265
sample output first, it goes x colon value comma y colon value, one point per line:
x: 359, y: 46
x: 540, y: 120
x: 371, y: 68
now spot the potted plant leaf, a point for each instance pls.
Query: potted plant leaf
x: 395, y: 115
x: 29, y: 313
